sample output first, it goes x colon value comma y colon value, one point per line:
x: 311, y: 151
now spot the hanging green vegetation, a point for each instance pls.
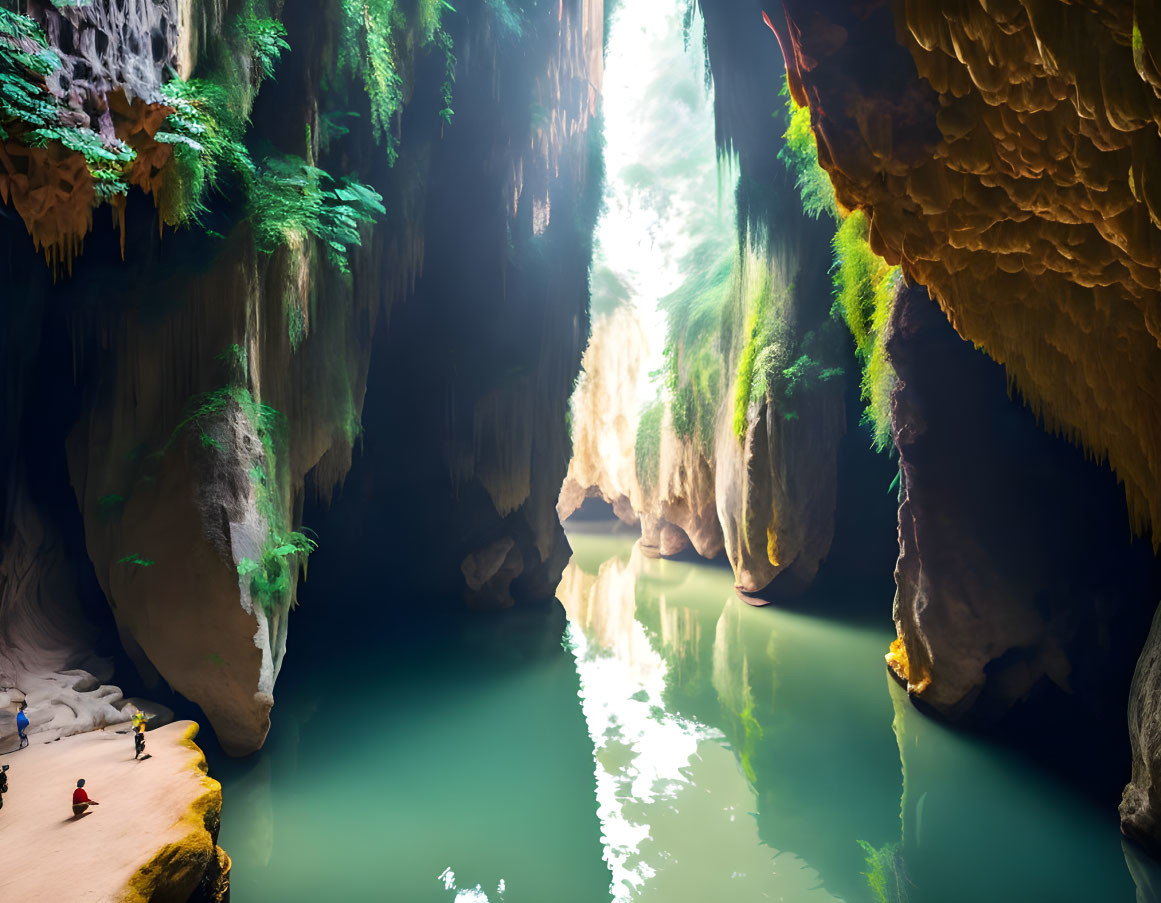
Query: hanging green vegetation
x: 377, y: 40
x: 283, y: 549
x: 136, y: 560
x: 647, y: 457
x: 694, y: 370
x: 205, y: 409
x: 443, y: 41
x: 864, y: 289
x: 885, y: 875
x: 759, y: 353
x: 271, y: 574
x: 206, y: 131
x: 800, y: 155
x: 266, y: 38
x: 864, y: 284
x: 774, y: 362
x: 212, y: 111
x: 292, y: 198
x: 110, y: 507
x: 30, y: 114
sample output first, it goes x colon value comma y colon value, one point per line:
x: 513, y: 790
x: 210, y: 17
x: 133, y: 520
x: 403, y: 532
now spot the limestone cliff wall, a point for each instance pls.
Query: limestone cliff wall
x: 605, y: 417
x: 217, y: 378
x: 1006, y: 155
x: 466, y: 443
x: 743, y: 458
x: 754, y: 477
x: 1015, y: 583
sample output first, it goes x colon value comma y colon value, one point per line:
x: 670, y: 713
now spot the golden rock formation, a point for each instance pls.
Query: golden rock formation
x: 1013, y: 165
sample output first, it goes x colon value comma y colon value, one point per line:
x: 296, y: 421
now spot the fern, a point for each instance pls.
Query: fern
x: 800, y: 155
x: 266, y: 39
x: 206, y: 132
x: 368, y: 48
x: 29, y: 113
x: 292, y: 198
x: 377, y: 39
x: 270, y: 575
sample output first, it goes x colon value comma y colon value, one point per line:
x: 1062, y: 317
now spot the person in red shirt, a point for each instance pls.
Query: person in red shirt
x: 81, y: 801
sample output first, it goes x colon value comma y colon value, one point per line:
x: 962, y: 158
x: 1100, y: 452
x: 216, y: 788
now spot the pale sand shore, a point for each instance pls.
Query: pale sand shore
x: 147, y: 809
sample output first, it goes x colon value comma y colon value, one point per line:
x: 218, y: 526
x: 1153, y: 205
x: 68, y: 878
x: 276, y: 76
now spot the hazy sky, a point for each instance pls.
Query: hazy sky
x: 662, y: 195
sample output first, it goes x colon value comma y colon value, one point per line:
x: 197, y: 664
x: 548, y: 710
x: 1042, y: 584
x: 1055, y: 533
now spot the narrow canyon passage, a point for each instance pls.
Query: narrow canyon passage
x: 505, y: 451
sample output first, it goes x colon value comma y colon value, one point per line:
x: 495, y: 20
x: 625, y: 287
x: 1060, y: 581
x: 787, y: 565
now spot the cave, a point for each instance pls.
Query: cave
x: 591, y: 450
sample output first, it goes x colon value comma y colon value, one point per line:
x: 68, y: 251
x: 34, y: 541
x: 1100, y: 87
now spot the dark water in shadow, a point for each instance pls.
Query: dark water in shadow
x: 458, y: 746
x: 671, y: 744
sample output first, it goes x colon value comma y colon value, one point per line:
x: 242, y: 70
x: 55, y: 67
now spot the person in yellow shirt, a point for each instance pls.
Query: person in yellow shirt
x: 139, y: 719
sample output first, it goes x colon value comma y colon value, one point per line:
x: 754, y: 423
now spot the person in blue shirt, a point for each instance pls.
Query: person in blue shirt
x: 22, y: 725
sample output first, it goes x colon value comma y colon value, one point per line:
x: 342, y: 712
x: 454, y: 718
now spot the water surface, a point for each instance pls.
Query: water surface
x: 669, y: 743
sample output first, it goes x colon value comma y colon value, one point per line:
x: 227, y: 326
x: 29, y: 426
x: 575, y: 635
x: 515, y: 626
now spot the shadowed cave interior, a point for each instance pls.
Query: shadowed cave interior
x: 514, y: 450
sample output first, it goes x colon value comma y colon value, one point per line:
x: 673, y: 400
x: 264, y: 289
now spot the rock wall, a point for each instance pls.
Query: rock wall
x: 219, y: 381
x: 765, y: 495
x: 605, y: 418
x: 743, y: 457
x: 1007, y: 157
x: 466, y: 441
x: 1015, y: 581
x: 776, y: 489
x: 1141, y: 801
x: 682, y: 509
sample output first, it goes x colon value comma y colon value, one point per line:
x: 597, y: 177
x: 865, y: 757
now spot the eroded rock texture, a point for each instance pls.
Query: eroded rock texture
x: 767, y: 496
x: 466, y: 444
x: 756, y: 478
x: 1009, y: 158
x: 214, y: 386
x: 1141, y: 803
x: 776, y: 492
x: 114, y: 60
x: 1014, y: 578
x: 605, y: 418
x: 681, y: 511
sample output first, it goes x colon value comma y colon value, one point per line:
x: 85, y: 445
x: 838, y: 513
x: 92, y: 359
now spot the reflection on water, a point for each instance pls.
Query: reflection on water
x: 657, y: 771
x: 752, y: 754
x: 739, y: 754
x: 438, y: 760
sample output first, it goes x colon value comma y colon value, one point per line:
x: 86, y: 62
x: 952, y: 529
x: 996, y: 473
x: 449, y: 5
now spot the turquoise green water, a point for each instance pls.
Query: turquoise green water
x: 675, y: 745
